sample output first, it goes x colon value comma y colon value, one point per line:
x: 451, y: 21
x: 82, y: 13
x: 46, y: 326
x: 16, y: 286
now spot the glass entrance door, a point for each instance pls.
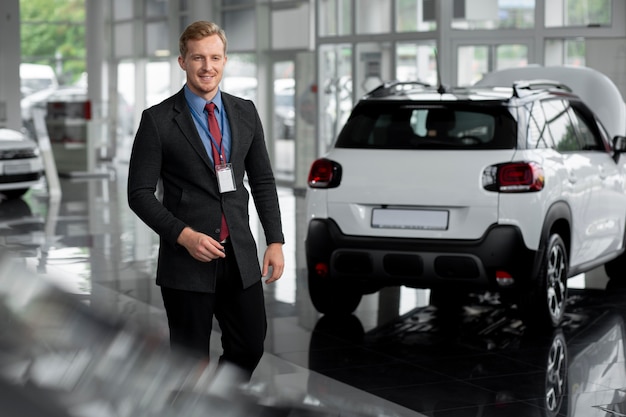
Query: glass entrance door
x: 284, y: 119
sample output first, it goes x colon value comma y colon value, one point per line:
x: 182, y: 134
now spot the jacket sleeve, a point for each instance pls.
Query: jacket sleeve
x: 263, y: 184
x: 143, y: 177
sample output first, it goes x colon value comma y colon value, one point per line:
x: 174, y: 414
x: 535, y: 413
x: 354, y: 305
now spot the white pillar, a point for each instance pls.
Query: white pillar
x: 97, y: 50
x: 10, y: 58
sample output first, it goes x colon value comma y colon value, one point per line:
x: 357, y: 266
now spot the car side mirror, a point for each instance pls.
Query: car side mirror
x: 619, y: 143
x: 619, y: 146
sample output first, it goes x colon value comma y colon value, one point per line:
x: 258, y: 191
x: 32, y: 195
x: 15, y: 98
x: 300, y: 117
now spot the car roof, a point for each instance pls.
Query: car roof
x: 594, y: 88
x: 425, y: 94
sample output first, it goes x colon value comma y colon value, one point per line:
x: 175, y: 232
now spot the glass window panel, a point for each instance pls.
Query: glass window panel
x: 284, y: 121
x: 373, y: 66
x: 335, y: 17
x: 126, y: 119
x: 398, y: 126
x: 290, y: 27
x: 158, y: 86
x: 240, y: 27
x: 493, y: 14
x: 327, y: 11
x: 122, y: 9
x: 472, y: 63
x: 226, y: 3
x: 156, y: 8
x: 157, y: 38
x: 511, y: 56
x: 373, y: 16
x: 560, y: 13
x: 560, y: 126
x: 240, y: 76
x: 589, y: 139
x: 565, y: 52
x: 415, y: 16
x: 335, y: 95
x: 344, y: 17
x: 538, y: 137
x: 123, y: 36
x: 416, y: 61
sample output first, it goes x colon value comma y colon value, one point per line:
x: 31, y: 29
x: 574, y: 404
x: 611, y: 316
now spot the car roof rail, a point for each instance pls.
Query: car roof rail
x: 394, y: 87
x: 530, y: 85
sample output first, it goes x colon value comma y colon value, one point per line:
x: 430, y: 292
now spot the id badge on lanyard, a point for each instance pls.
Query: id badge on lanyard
x: 225, y: 177
x: 224, y: 171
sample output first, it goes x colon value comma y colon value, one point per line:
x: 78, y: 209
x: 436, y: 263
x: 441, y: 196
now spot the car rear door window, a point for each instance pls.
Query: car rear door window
x: 385, y: 126
x: 560, y: 126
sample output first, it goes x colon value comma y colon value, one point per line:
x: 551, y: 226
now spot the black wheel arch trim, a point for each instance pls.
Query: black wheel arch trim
x: 558, y: 220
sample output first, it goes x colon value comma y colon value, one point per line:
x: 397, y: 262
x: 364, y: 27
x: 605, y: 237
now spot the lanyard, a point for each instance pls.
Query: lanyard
x: 205, y: 126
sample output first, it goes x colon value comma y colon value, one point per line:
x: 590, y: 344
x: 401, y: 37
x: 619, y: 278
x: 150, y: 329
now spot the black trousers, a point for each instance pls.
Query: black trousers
x: 239, y: 312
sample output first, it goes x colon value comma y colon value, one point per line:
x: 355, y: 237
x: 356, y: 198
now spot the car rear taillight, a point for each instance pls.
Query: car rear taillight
x: 514, y: 177
x: 324, y: 173
x: 321, y: 269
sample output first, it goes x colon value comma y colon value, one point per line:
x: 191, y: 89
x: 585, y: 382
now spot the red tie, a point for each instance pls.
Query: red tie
x: 214, y: 129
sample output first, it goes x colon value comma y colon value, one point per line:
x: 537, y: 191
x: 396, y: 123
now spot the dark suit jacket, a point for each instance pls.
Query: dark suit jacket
x: 167, y: 146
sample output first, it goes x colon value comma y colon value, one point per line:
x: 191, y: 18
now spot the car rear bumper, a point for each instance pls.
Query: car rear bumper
x: 418, y: 263
x: 26, y: 180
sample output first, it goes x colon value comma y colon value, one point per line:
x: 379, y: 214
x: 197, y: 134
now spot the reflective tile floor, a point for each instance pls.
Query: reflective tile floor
x: 396, y: 356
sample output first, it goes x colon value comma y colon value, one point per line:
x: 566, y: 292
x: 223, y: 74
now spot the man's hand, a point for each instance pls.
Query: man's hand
x: 273, y: 258
x: 202, y: 247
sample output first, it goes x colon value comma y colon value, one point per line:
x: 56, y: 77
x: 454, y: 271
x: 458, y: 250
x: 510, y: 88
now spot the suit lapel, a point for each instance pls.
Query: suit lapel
x: 188, y: 128
x: 234, y: 120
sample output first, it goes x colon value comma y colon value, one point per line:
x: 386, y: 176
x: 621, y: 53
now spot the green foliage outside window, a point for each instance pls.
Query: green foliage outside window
x: 53, y: 33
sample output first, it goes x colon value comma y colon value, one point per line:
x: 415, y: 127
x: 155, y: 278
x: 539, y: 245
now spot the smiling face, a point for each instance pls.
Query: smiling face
x: 204, y: 64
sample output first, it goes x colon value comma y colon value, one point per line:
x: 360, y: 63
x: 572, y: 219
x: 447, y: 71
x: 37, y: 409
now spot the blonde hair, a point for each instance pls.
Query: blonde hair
x: 199, y: 30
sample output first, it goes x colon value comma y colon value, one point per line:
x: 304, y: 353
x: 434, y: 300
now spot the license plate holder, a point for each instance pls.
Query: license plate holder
x: 15, y: 169
x: 414, y: 219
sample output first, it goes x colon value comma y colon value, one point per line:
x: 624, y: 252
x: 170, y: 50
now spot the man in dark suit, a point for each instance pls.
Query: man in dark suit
x: 208, y: 264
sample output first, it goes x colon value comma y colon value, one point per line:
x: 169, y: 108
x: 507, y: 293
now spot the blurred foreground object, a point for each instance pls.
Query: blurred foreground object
x: 58, y: 357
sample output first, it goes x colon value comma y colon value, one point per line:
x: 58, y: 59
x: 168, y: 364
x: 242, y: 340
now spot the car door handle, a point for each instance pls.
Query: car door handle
x: 602, y: 172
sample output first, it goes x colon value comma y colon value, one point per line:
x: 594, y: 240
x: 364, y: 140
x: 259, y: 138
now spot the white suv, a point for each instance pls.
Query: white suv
x: 511, y: 187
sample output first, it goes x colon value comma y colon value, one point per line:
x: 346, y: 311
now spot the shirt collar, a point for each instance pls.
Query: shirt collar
x: 197, y: 102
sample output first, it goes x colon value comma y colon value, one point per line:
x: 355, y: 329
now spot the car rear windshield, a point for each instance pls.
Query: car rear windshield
x: 389, y: 125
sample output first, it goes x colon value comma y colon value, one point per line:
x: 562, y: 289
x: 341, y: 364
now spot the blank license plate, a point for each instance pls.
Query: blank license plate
x: 12, y: 169
x: 410, y: 219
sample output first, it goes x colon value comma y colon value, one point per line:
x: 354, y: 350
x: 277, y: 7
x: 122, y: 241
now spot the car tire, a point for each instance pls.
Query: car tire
x: 332, y: 298
x: 543, y: 303
x: 549, y: 390
x: 616, y: 271
x: 13, y: 194
x: 448, y: 302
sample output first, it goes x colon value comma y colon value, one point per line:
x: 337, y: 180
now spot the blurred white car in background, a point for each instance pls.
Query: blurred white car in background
x: 21, y: 165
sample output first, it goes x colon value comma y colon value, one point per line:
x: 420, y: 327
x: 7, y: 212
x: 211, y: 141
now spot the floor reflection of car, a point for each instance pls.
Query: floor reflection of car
x: 598, y: 363
x: 578, y: 370
x: 21, y: 165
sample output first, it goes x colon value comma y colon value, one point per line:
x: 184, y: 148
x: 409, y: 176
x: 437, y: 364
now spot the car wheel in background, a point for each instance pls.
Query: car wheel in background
x: 616, y: 271
x: 549, y: 389
x: 12, y: 194
x: 543, y: 302
x: 448, y: 302
x: 331, y: 297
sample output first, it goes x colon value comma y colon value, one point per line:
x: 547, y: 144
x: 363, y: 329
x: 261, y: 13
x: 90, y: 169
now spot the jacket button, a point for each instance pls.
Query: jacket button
x: 217, y: 231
